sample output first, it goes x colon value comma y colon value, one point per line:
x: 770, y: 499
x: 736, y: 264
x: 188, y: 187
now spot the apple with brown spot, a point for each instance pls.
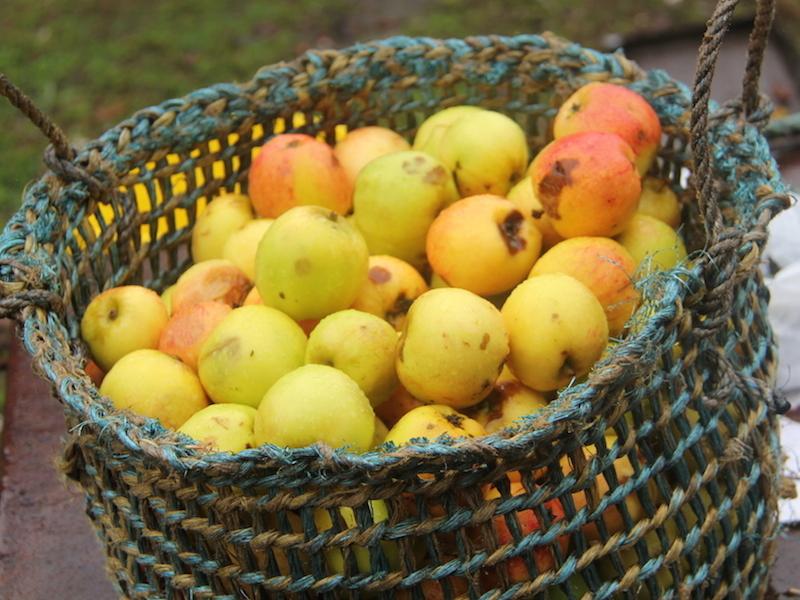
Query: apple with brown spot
x: 483, y: 244
x: 391, y: 286
x: 525, y: 200
x: 612, y: 109
x: 587, y: 184
x: 217, y: 280
x: 294, y: 169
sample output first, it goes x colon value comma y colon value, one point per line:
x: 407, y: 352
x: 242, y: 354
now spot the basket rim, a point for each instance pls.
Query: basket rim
x: 573, y: 410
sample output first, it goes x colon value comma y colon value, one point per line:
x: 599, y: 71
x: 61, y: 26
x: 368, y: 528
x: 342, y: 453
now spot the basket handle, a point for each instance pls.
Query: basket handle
x: 751, y: 100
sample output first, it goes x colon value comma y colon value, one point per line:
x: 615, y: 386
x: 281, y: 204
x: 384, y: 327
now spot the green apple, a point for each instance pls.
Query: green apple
x: 396, y: 198
x: 247, y: 352
x: 310, y: 263
x: 315, y: 404
x: 654, y: 245
x: 452, y: 348
x: 360, y: 345
x: 154, y: 384
x: 121, y: 320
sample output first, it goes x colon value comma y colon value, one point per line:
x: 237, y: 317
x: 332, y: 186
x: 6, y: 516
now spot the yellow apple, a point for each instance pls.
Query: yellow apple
x: 659, y: 201
x: 241, y: 246
x: 452, y: 348
x: 557, y: 330
x: 430, y: 133
x: 222, y: 427
x: 223, y: 215
x: 430, y: 422
x: 653, y: 244
x: 360, y: 345
x: 217, y: 280
x: 315, y: 404
x: 247, y: 352
x: 166, y: 298
x: 121, y: 320
x: 154, y: 384
x: 525, y: 200
x: 310, y: 263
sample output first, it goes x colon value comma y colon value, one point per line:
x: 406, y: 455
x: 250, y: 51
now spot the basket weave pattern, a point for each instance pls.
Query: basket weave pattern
x: 687, y: 391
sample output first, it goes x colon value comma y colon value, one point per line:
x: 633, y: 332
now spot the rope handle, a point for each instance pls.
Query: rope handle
x: 716, y: 28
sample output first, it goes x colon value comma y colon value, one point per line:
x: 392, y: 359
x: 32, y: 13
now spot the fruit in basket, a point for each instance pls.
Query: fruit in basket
x: 250, y: 349
x: 587, y: 184
x: 294, y: 169
x: 310, y: 263
x: 391, y: 286
x: 166, y: 298
x: 526, y: 201
x: 222, y: 427
x: 242, y: 245
x: 396, y: 198
x: 360, y: 345
x: 363, y: 145
x: 452, y: 348
x: 189, y: 327
x: 398, y: 404
x: 430, y: 422
x: 508, y: 402
x: 315, y: 404
x: 153, y: 384
x: 430, y: 133
x: 659, y: 201
x: 335, y: 556
x: 223, y: 215
x: 253, y: 298
x: 602, y: 265
x: 216, y: 280
x: 557, y: 330
x: 486, y: 151
x: 528, y: 522
x: 613, y: 109
x: 483, y: 244
x: 121, y: 320
x: 653, y: 244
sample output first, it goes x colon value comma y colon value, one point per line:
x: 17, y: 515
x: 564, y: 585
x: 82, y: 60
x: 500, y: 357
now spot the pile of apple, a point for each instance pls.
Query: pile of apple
x: 378, y: 292
x: 373, y: 293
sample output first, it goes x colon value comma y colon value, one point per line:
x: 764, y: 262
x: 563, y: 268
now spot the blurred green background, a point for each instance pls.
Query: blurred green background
x: 91, y: 63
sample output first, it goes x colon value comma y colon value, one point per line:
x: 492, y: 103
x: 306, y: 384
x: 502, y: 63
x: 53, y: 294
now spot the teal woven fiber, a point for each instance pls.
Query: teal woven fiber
x: 687, y: 392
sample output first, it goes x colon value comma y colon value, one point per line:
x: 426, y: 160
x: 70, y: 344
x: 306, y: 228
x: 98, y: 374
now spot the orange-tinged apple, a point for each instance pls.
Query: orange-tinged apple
x: 602, y: 265
x: 659, y: 201
x: 241, y: 246
x: 543, y: 556
x: 189, y: 327
x: 364, y: 145
x: 526, y: 201
x: 587, y: 184
x: 154, y: 384
x: 391, y: 286
x: 613, y: 109
x: 294, y: 169
x: 121, y: 320
x: 212, y: 280
x: 557, y: 330
x: 223, y: 215
x: 653, y: 244
x: 483, y: 244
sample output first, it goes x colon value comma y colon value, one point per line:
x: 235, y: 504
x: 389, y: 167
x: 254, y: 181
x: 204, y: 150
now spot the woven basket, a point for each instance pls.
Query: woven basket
x: 689, y: 392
